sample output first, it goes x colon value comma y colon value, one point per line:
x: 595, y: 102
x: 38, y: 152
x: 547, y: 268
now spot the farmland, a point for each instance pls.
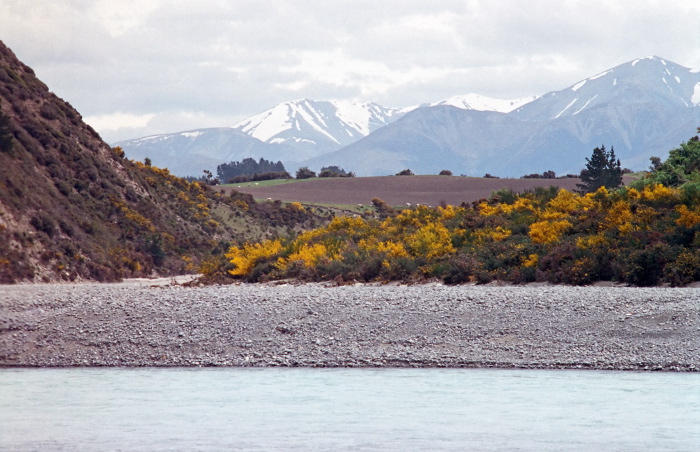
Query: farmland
x: 394, y: 190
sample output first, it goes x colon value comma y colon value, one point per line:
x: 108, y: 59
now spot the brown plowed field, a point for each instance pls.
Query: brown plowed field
x: 397, y: 190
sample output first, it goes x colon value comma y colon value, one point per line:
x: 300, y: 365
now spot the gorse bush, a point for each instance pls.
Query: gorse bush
x: 645, y: 234
x: 642, y: 237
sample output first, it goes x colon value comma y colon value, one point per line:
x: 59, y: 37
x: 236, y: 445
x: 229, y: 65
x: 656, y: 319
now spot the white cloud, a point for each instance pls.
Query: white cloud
x: 114, y: 121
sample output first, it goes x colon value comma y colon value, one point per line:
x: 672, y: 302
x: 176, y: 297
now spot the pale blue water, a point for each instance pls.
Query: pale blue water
x: 347, y: 410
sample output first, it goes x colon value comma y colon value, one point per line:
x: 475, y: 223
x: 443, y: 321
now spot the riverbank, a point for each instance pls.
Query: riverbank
x: 314, y: 325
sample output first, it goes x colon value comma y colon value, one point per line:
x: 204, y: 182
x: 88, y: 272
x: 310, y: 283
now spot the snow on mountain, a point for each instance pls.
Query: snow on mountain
x: 644, y: 80
x: 478, y: 102
x: 642, y: 108
x: 314, y: 127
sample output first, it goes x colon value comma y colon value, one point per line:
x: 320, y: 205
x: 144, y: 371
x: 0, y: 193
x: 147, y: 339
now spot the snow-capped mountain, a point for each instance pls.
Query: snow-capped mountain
x: 642, y: 108
x: 645, y: 80
x: 315, y: 127
x: 292, y: 132
x: 483, y: 103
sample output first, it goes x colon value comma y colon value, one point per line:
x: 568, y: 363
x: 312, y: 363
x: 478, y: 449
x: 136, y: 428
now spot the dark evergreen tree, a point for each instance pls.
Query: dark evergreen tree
x: 602, y: 170
x: 247, y: 167
x: 334, y: 171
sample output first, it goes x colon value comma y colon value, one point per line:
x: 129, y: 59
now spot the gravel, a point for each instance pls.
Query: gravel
x: 142, y: 323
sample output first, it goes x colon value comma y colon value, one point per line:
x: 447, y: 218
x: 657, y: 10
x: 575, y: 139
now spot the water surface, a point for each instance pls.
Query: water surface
x: 347, y: 410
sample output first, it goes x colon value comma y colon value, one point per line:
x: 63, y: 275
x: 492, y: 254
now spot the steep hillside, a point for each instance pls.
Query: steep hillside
x: 73, y: 208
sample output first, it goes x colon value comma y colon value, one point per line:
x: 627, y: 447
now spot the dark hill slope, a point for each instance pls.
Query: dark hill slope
x: 73, y: 208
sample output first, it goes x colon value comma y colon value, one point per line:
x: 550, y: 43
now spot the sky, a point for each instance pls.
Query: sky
x: 135, y: 68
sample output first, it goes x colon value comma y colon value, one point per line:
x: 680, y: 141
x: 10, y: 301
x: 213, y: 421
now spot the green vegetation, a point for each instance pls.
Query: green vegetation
x: 681, y: 168
x: 334, y: 171
x: 305, y: 173
x: 248, y: 169
x: 642, y: 236
x: 6, y: 143
x: 602, y: 170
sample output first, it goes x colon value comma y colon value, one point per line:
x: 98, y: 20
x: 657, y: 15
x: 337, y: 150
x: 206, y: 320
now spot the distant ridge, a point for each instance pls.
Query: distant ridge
x: 292, y: 132
x: 642, y: 108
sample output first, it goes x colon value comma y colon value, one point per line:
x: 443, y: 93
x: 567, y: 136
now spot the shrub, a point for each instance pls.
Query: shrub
x: 44, y: 223
x: 406, y: 172
x: 383, y: 209
x: 6, y: 143
x: 645, y: 267
x: 461, y: 268
x: 305, y: 173
x: 272, y: 175
x: 445, y: 172
x: 684, y: 270
x: 334, y: 171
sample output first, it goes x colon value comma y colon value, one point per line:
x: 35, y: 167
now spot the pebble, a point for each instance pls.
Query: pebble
x: 362, y: 325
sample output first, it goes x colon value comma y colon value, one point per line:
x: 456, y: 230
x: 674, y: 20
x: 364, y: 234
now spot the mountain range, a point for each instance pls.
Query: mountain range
x: 641, y: 108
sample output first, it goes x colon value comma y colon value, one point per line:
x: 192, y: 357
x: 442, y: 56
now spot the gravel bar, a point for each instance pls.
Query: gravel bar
x: 316, y: 325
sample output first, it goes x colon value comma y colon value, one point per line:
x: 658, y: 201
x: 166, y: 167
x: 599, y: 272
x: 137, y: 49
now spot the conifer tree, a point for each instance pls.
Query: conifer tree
x: 602, y: 170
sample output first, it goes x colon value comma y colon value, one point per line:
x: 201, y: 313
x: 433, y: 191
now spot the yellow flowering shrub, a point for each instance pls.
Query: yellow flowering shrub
x: 487, y: 210
x: 660, y: 192
x: 447, y: 212
x: 524, y: 203
x: 548, y: 231
x: 590, y: 242
x: 688, y: 218
x: 432, y: 240
x: 620, y: 216
x: 531, y: 261
x: 389, y: 248
x: 497, y: 234
x: 309, y: 255
x: 566, y: 203
x: 244, y: 259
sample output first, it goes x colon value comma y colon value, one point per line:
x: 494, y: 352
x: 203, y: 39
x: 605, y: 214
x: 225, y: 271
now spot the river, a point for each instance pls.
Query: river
x: 270, y: 409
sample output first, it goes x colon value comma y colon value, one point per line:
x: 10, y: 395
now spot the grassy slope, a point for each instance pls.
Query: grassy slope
x: 72, y: 208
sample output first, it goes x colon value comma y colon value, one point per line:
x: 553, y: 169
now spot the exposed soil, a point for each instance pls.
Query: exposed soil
x: 314, y: 325
x: 398, y: 190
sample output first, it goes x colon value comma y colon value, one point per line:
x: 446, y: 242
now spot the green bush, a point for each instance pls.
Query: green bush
x: 684, y: 269
x: 305, y: 173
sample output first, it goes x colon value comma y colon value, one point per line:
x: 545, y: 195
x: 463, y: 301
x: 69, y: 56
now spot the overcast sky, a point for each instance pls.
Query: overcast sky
x: 138, y: 67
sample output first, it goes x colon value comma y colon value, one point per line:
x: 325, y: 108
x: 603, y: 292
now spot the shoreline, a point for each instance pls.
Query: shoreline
x: 140, y: 324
